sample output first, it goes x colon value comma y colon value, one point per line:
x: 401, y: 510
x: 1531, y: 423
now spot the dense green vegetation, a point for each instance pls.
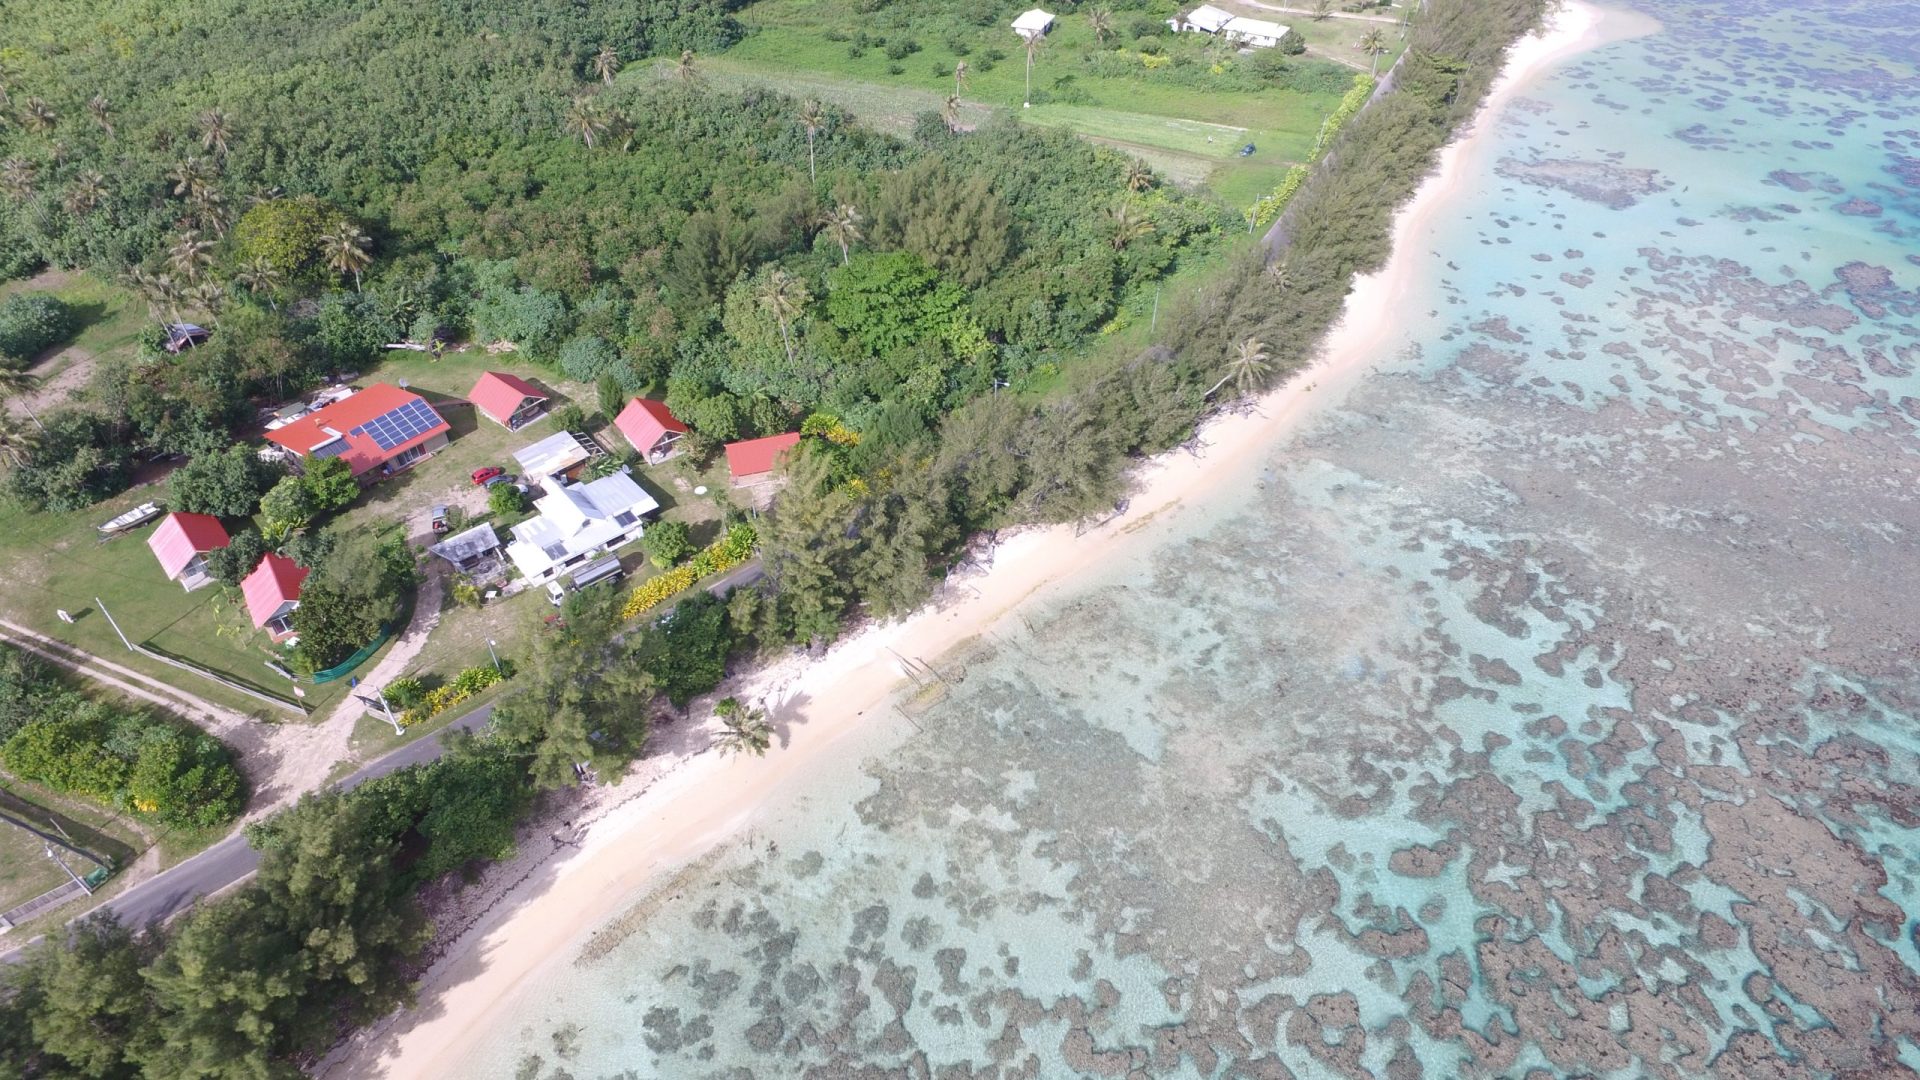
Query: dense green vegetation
x: 30, y: 322
x: 126, y: 758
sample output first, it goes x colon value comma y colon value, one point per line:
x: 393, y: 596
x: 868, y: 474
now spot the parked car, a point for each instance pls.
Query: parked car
x: 486, y: 473
x: 606, y: 569
x: 1247, y: 150
x: 504, y: 478
x: 438, y: 520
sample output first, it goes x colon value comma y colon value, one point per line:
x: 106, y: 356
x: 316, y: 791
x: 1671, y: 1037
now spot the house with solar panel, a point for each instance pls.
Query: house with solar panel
x: 378, y: 432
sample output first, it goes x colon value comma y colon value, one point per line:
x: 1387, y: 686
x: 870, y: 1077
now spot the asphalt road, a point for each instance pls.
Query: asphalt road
x: 232, y: 860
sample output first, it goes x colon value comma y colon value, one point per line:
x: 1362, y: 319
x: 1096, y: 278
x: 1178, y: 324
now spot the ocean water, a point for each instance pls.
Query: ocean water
x: 1549, y: 708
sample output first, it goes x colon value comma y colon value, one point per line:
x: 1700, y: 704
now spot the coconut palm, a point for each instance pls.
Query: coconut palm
x: 88, y: 190
x: 160, y: 291
x: 18, y: 386
x: 209, y: 209
x: 684, y: 70
x: 1129, y: 224
x: 1322, y: 10
x: 585, y: 120
x: 190, y: 256
x: 813, y: 118
x: 785, y: 297
x: 1281, y: 275
x: 17, y: 176
x: 844, y: 227
x: 208, y: 296
x: 742, y: 730
x: 1100, y: 21
x: 950, y: 112
x: 215, y: 130
x: 1139, y: 176
x: 606, y: 64
x: 17, y: 440
x: 190, y: 179
x: 345, y: 250
x: 960, y: 73
x: 1034, y: 44
x: 37, y: 115
x: 1249, y: 363
x: 102, y: 112
x: 258, y: 275
x: 1374, y: 44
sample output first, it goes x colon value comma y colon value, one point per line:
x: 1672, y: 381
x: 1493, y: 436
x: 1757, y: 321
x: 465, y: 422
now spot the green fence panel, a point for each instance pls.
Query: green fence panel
x: 341, y: 669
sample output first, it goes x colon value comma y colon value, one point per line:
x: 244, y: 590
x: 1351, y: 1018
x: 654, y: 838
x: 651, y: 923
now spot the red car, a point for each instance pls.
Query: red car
x: 482, y: 475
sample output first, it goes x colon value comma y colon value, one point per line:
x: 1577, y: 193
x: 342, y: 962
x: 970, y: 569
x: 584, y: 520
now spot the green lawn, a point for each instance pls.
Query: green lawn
x: 25, y: 870
x: 1189, y: 133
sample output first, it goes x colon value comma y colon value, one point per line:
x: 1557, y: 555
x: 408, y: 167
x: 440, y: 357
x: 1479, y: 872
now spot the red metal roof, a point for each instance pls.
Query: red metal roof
x: 644, y: 420
x: 338, y: 421
x: 276, y: 581
x: 756, y: 456
x: 500, y: 395
x: 179, y: 537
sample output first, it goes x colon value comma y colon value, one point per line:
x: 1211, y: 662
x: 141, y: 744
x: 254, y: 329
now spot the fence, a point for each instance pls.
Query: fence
x: 340, y: 670
x: 237, y: 687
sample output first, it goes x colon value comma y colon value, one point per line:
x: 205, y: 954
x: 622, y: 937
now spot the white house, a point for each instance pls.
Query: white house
x: 1256, y: 32
x: 1205, y: 19
x: 1033, y: 23
x: 557, y: 453
x: 577, y: 522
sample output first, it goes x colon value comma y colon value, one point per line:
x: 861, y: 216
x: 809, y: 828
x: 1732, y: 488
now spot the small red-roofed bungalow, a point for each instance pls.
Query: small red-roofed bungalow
x: 378, y: 432
x: 508, y: 400
x: 272, y: 593
x: 181, y: 542
x: 753, y: 461
x: 650, y: 427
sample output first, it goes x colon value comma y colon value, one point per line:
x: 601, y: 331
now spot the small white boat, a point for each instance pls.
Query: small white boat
x: 139, y: 515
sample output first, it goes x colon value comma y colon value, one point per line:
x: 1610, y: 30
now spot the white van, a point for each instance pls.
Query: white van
x: 607, y: 569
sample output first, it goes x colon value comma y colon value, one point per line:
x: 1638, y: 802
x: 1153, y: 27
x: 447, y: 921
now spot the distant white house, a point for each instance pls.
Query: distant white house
x: 559, y: 452
x: 1033, y: 23
x: 578, y: 522
x: 1256, y: 32
x: 1205, y: 19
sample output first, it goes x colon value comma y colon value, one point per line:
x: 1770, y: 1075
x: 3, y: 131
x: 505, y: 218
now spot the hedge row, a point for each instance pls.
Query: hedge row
x: 724, y: 554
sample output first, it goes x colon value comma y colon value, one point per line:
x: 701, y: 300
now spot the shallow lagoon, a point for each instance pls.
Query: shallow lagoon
x: 1548, y: 708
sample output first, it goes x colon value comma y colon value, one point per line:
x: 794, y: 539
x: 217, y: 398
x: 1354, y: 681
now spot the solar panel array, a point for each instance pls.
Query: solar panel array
x: 409, y: 421
x: 330, y: 448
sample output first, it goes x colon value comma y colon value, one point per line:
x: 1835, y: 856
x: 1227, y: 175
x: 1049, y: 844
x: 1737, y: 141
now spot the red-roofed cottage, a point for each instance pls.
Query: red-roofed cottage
x: 272, y: 593
x: 378, y: 432
x: 650, y: 427
x: 752, y: 462
x: 181, y: 542
x: 508, y: 400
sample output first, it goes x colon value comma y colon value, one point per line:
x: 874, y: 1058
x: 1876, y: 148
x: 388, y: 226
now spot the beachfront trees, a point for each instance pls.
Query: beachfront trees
x: 686, y: 652
x: 1246, y: 367
x: 743, y: 729
x: 580, y: 701
x: 88, y: 1002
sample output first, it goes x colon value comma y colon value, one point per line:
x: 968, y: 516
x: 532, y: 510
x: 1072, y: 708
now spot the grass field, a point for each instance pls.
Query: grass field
x: 1189, y: 133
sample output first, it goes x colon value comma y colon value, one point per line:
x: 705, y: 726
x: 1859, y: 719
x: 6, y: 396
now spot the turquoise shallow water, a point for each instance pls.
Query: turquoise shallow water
x: 1546, y: 709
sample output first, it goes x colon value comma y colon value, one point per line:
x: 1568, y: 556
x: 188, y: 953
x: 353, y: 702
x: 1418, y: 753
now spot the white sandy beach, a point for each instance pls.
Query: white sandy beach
x: 471, y: 993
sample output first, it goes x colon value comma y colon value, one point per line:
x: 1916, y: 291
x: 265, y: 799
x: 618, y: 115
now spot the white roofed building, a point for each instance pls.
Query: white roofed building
x: 1256, y: 32
x: 1033, y: 23
x: 1205, y: 19
x: 577, y: 522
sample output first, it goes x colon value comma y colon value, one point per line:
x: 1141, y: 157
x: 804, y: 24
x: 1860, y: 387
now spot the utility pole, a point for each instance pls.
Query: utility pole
x: 496, y: 657
x: 110, y: 622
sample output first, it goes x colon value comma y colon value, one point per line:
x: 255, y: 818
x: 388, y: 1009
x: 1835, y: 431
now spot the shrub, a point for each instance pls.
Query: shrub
x: 728, y: 552
x: 503, y: 499
x: 570, y: 417
x: 463, y: 686
x: 405, y: 692
x: 585, y: 359
x: 284, y: 232
x: 666, y: 543
x: 30, y: 323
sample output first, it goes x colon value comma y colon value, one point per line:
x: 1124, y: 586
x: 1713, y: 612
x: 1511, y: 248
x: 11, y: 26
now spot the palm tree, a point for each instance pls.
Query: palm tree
x: 259, y: 275
x: 209, y: 296
x: 17, y: 176
x: 1374, y: 43
x: 1128, y: 225
x: 1034, y: 43
x: 190, y: 256
x: 161, y: 292
x: 1281, y: 275
x: 1322, y: 10
x: 1139, y: 176
x: 1246, y: 367
x: 585, y: 120
x: 102, y: 112
x: 38, y: 116
x: 606, y: 64
x: 742, y: 730
x: 346, y: 251
x: 785, y: 297
x: 1100, y: 21
x: 88, y: 189
x: 950, y: 112
x: 16, y: 439
x: 190, y: 179
x: 215, y: 130
x: 960, y: 73
x: 15, y: 386
x: 813, y: 118
x: 684, y: 70
x: 209, y: 209
x: 844, y: 226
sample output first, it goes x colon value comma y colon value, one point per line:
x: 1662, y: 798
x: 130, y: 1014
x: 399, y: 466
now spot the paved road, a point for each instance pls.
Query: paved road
x: 232, y: 860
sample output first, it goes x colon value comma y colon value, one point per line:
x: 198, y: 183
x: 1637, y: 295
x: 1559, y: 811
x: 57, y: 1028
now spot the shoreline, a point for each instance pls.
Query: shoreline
x: 703, y: 799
